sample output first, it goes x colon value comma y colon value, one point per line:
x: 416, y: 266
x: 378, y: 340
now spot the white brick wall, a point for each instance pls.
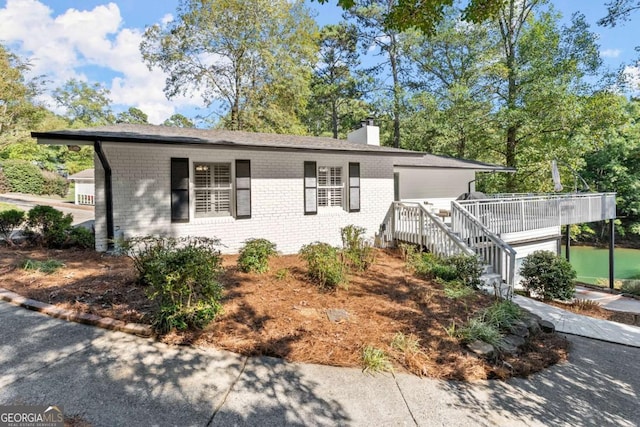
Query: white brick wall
x: 141, y: 189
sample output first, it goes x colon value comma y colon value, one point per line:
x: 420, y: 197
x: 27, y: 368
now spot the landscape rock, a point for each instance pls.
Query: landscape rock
x: 520, y: 329
x: 337, y: 315
x: 547, y: 326
x: 481, y: 348
x: 532, y: 324
x: 511, y: 344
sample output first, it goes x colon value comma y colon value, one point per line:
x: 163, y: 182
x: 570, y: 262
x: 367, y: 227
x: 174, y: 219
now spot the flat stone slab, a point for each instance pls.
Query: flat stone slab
x: 337, y: 315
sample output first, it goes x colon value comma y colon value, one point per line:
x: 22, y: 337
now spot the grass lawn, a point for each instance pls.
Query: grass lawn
x: 7, y: 206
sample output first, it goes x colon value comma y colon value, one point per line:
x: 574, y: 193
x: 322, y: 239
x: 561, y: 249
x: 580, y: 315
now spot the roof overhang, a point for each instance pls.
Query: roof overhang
x: 87, y: 137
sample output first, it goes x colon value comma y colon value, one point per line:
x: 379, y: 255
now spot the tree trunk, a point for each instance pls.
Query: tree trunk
x: 334, y: 119
x: 393, y: 60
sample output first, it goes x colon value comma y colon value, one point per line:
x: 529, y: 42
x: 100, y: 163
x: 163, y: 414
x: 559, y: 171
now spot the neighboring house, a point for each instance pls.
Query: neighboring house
x: 84, y: 187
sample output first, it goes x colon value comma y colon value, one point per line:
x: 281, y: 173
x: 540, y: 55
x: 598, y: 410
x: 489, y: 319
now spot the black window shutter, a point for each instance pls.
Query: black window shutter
x: 354, y: 187
x: 243, y: 189
x: 310, y: 189
x: 179, y: 190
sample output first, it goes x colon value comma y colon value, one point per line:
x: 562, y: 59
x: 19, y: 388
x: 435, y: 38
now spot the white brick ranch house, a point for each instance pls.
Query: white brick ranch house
x: 294, y: 190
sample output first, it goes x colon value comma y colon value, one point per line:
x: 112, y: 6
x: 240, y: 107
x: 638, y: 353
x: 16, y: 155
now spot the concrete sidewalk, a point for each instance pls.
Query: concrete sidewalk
x: 584, y: 326
x: 110, y: 378
x: 610, y: 301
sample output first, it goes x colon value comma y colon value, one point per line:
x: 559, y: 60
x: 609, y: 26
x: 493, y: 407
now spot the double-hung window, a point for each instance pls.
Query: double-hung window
x: 330, y: 186
x: 212, y: 182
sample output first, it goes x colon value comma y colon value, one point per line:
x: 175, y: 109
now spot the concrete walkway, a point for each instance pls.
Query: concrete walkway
x: 608, y: 300
x: 584, y: 326
x: 110, y: 378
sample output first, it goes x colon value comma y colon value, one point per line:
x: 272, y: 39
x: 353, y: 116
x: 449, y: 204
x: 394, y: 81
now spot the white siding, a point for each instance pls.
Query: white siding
x: 427, y: 184
x: 141, y: 189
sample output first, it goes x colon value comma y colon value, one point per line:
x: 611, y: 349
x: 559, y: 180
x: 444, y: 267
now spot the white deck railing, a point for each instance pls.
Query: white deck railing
x: 412, y: 223
x: 514, y: 213
x: 85, y: 199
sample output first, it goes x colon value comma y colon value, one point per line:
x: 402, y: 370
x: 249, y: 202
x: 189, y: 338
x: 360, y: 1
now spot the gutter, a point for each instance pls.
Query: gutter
x: 108, y: 190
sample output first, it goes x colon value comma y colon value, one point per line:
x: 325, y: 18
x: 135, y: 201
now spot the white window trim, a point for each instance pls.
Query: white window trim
x: 230, y: 188
x: 329, y: 188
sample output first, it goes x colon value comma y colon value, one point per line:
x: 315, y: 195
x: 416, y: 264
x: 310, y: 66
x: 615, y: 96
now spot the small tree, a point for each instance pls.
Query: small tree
x: 548, y: 276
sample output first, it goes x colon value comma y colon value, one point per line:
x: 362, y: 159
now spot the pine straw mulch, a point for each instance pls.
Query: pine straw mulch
x: 282, y: 314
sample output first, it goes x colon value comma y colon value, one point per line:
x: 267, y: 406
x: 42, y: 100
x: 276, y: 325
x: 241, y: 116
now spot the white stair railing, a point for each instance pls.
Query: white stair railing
x: 491, y: 249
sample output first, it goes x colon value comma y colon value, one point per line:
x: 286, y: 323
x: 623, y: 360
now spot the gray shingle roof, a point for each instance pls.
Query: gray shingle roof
x: 127, y: 133
x: 85, y: 174
x: 444, y: 162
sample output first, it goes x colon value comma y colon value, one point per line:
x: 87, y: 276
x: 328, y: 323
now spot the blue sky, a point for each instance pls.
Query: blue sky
x: 97, y: 41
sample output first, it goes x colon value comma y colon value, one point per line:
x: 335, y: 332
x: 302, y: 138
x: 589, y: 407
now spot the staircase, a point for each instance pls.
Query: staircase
x: 410, y: 222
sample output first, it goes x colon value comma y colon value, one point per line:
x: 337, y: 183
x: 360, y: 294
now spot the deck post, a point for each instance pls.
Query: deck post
x: 611, y: 252
x: 567, y: 244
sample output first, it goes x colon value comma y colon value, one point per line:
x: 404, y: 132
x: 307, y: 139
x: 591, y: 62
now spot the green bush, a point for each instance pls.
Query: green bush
x: 631, y: 287
x: 455, y: 289
x: 49, y: 226
x: 463, y: 268
x: 324, y: 264
x: 468, y: 269
x: 548, y: 276
x: 54, y: 184
x: 479, y: 329
x: 81, y: 237
x: 357, y: 252
x: 23, y: 177
x: 255, y: 254
x: 9, y: 221
x: 181, y: 276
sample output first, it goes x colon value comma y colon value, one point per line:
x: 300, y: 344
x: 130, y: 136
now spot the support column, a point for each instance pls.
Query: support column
x: 567, y: 245
x: 611, y: 252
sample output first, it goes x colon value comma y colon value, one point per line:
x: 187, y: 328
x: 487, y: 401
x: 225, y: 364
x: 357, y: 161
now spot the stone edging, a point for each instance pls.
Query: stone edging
x: 73, y: 316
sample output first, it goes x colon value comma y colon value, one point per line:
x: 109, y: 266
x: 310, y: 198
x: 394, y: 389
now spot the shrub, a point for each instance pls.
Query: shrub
x: 255, y: 254
x: 181, y: 276
x: 82, y: 238
x: 455, y: 289
x: 23, y: 177
x: 357, y: 252
x: 54, y: 184
x: 324, y: 264
x: 468, y: 269
x: 631, y: 287
x: 50, y: 226
x: 548, y: 275
x: 9, y: 221
x: 478, y: 329
x: 463, y: 268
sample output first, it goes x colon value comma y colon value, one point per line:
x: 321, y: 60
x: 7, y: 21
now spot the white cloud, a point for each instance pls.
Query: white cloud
x: 610, y: 53
x: 632, y: 77
x: 62, y: 46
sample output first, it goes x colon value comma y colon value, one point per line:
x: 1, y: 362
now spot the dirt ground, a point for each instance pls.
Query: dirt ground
x: 282, y: 314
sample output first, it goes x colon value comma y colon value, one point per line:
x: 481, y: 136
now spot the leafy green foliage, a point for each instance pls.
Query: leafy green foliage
x: 454, y: 289
x: 54, y: 184
x: 181, y: 276
x: 631, y: 287
x: 548, y: 275
x: 478, y: 329
x: 49, y: 226
x: 324, y: 264
x: 9, y: 221
x: 255, y: 254
x: 357, y: 252
x: 133, y: 116
x: 462, y: 268
x: 502, y: 314
x: 23, y: 177
x: 48, y: 267
x: 85, y: 104
x: 264, y: 53
x: 375, y: 360
x: 83, y: 238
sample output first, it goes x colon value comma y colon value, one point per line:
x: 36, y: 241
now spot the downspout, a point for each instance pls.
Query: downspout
x: 108, y: 192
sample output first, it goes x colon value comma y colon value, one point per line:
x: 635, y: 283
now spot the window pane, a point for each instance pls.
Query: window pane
x: 213, y: 188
